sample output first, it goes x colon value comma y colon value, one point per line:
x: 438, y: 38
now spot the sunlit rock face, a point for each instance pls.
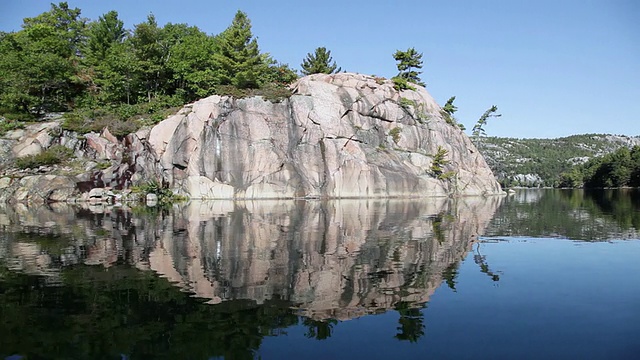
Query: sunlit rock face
x: 330, y: 259
x: 338, y: 136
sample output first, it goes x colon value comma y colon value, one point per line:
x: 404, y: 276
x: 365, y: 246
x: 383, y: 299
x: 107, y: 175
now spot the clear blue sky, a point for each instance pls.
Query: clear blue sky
x: 553, y: 67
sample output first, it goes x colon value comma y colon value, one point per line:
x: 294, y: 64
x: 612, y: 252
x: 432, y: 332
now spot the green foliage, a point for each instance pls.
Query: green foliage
x: 277, y: 74
x: 56, y: 154
x: 400, y: 83
x: 406, y: 103
x: 59, y: 62
x: 447, y: 113
x: 166, y: 197
x: 439, y: 162
x: 237, y: 58
x: 448, y: 175
x: 407, y: 62
x: 121, y: 119
x: 546, y: 158
x: 449, y: 108
x: 102, y: 35
x: 273, y: 92
x: 7, y: 124
x: 617, y: 169
x: 37, y: 66
x: 478, y: 128
x: 395, y: 134
x: 320, y: 62
x: 418, y: 109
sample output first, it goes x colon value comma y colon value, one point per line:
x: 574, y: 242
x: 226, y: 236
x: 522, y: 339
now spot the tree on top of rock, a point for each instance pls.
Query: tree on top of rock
x: 237, y: 57
x: 104, y: 33
x: 319, y: 63
x: 408, y: 63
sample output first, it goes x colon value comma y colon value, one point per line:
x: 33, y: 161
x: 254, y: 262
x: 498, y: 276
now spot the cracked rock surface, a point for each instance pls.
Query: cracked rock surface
x: 341, y: 135
x: 338, y: 136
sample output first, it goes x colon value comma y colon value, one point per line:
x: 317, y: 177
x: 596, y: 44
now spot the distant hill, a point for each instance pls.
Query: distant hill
x: 539, y: 162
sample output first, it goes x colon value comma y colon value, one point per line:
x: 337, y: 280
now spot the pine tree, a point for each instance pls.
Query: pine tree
x: 447, y: 113
x: 237, y: 58
x: 407, y: 62
x: 319, y: 62
x: 478, y: 129
x: 103, y: 34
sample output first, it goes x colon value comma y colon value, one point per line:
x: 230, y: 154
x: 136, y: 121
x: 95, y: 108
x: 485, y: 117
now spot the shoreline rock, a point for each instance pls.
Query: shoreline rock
x: 338, y: 136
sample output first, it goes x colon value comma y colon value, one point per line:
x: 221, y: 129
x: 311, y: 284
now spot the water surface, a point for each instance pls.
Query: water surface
x: 541, y: 274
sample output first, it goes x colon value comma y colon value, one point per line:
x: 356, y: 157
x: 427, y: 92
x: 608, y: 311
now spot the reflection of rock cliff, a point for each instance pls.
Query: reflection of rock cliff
x: 333, y: 259
x: 336, y: 259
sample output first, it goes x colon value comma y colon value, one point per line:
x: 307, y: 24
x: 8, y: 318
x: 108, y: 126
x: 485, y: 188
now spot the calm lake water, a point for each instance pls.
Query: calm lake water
x: 541, y: 274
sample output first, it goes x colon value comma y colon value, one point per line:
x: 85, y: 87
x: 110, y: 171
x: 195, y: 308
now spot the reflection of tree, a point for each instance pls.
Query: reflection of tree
x: 450, y: 274
x: 440, y: 223
x: 622, y: 205
x: 101, y: 313
x: 484, y: 267
x: 593, y: 214
x: 394, y: 259
x: 411, y: 322
x: 319, y: 330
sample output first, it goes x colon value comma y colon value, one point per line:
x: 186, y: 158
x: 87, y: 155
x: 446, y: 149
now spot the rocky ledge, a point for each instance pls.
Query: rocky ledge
x: 338, y: 136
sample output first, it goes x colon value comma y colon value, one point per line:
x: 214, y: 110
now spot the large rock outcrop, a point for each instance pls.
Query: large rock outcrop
x: 341, y: 135
x: 338, y: 136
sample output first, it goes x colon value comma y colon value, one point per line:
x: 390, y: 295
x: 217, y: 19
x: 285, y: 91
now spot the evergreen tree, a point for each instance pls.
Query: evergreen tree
x: 107, y: 31
x: 449, y: 108
x: 447, y: 113
x: 408, y: 63
x: 237, y: 57
x: 103, y: 36
x: 478, y: 128
x: 320, y: 62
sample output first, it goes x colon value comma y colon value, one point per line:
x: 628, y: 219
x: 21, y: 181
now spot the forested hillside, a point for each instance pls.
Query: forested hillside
x: 539, y: 162
x: 101, y: 73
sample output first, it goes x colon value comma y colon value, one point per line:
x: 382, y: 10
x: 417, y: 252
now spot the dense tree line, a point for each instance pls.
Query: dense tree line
x: 100, y: 73
x: 60, y: 61
x: 544, y: 158
x: 618, y: 169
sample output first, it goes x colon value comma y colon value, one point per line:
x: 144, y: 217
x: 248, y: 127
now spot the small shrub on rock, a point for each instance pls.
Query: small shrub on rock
x: 54, y: 155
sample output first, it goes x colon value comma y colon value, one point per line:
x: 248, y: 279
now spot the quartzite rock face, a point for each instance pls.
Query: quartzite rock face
x: 339, y: 136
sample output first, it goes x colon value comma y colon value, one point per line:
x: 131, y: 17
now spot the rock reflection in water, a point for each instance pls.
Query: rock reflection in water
x: 336, y: 259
